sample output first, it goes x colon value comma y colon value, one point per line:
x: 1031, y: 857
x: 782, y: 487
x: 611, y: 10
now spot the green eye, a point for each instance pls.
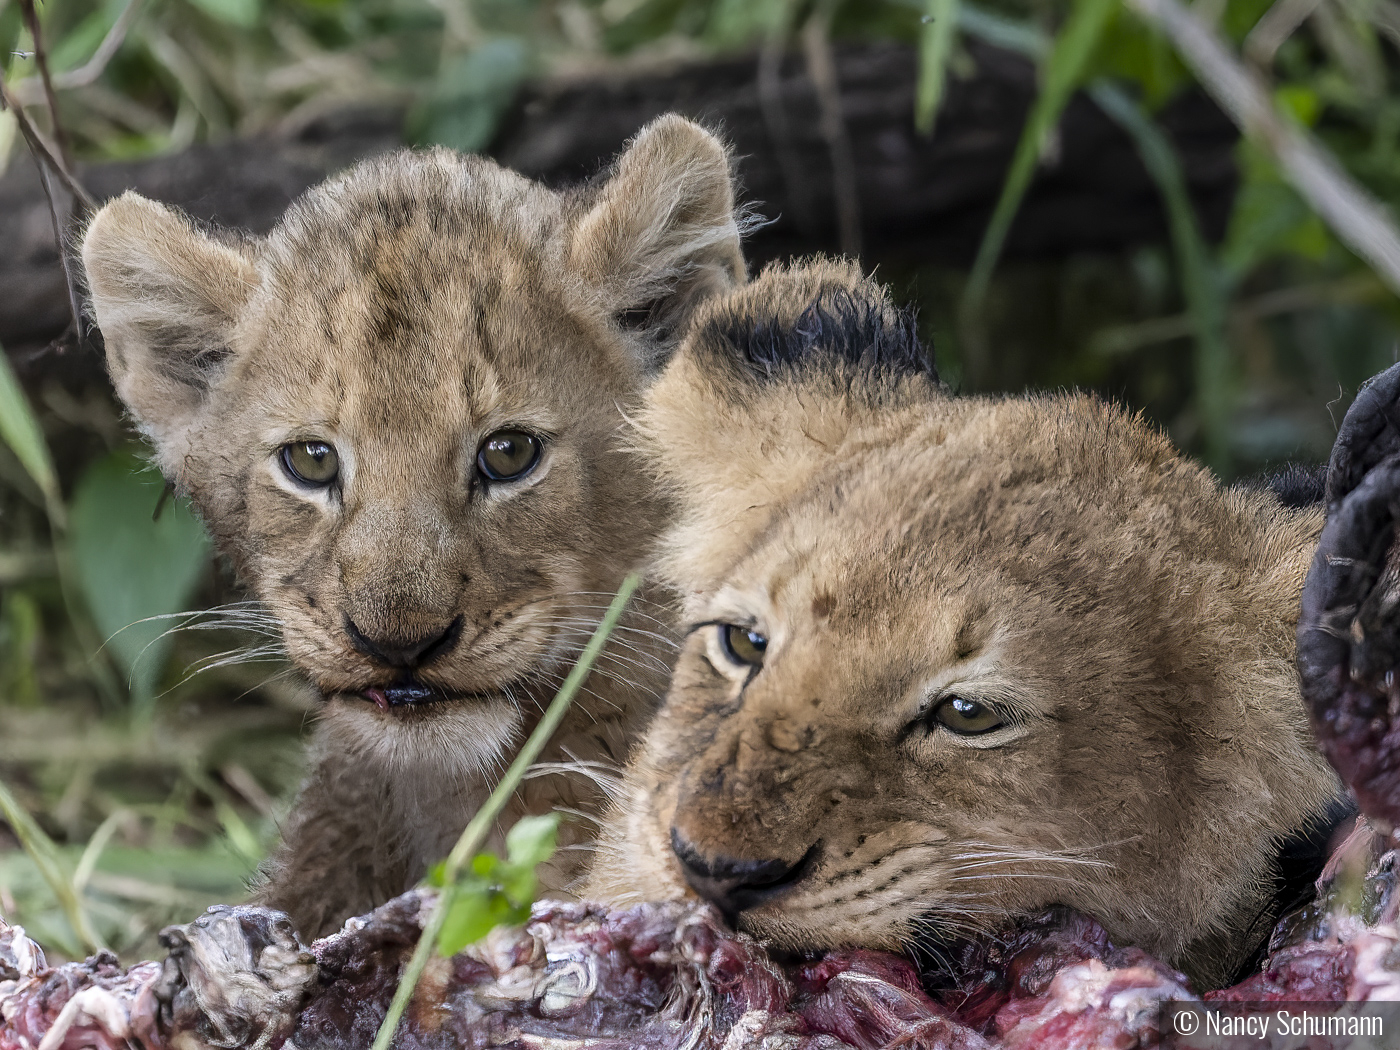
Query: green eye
x: 742, y: 645
x: 966, y: 717
x: 311, y: 462
x: 508, y: 455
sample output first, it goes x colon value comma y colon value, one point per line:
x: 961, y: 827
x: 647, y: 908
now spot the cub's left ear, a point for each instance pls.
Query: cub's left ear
x: 662, y: 234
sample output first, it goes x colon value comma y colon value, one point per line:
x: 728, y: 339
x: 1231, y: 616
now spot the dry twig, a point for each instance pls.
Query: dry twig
x: 1361, y: 222
x: 1278, y: 24
x: 41, y: 61
x: 821, y: 67
x: 27, y: 92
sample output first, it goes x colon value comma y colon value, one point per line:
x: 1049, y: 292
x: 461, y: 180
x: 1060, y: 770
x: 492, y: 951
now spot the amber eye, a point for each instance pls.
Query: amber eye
x: 508, y: 455
x: 742, y: 645
x: 311, y: 462
x: 966, y: 717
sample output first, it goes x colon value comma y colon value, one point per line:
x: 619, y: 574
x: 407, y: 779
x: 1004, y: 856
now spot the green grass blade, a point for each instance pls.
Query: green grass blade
x: 1073, y: 47
x: 476, y: 831
x: 935, y: 45
x: 1009, y: 34
x: 92, y: 852
x: 46, y: 858
x: 1203, y: 287
x: 20, y: 430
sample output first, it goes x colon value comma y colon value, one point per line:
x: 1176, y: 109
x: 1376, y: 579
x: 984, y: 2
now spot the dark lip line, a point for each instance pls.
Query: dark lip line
x: 434, y: 697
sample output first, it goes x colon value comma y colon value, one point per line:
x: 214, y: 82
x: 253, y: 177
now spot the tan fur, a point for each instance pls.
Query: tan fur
x: 1050, y: 554
x: 402, y: 312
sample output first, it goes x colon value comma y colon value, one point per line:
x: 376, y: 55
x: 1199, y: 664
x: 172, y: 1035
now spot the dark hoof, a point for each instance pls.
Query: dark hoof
x: 1349, y: 633
x: 1369, y: 433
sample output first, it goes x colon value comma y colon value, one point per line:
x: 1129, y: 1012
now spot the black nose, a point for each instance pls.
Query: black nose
x: 733, y: 885
x: 398, y: 652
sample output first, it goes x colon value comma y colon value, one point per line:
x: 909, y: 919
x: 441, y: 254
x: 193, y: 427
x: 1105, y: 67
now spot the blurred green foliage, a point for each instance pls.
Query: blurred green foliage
x: 495, y: 892
x: 156, y: 794
x: 137, y: 569
x: 137, y: 822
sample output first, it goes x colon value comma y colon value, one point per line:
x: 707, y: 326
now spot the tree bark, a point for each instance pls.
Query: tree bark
x: 918, y: 199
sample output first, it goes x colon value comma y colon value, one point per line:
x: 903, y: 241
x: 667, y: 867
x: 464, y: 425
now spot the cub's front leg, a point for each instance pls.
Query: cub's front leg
x: 337, y: 857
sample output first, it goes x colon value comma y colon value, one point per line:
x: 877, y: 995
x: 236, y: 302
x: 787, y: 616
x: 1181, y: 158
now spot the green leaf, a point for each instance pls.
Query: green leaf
x: 471, y: 94
x: 532, y: 840
x: 21, y: 627
x: 1132, y: 50
x: 134, y: 572
x: 1269, y: 218
x: 519, y: 884
x: 1064, y: 71
x: 475, y: 912
x: 77, y: 45
x: 935, y: 45
x: 19, y: 429
x: 245, y: 14
x: 1241, y: 16
x: 485, y: 863
x: 734, y: 23
x: 1300, y: 102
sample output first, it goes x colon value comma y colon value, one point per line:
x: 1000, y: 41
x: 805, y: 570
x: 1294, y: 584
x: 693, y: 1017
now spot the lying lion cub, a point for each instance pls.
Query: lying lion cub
x: 399, y: 413
x: 951, y: 659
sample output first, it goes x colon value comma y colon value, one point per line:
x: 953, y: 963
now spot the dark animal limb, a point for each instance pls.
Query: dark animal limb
x: 1349, y: 633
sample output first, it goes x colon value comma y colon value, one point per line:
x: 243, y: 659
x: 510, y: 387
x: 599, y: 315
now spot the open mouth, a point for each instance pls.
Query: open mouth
x: 406, y: 694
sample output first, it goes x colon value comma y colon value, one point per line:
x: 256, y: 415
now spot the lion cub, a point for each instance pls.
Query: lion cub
x: 399, y: 415
x: 951, y: 659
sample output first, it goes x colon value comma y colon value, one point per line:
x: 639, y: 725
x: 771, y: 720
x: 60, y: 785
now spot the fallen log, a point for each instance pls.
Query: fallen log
x: 918, y: 199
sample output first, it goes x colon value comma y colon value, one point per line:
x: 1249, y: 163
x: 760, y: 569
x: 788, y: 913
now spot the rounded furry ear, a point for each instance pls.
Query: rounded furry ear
x: 166, y: 297
x: 662, y: 233
x: 769, y: 383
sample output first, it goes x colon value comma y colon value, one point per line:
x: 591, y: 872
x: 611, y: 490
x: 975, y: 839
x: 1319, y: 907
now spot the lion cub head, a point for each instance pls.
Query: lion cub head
x: 952, y: 659
x: 398, y: 412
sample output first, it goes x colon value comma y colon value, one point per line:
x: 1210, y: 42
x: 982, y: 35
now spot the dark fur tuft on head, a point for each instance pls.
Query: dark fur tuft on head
x: 863, y: 332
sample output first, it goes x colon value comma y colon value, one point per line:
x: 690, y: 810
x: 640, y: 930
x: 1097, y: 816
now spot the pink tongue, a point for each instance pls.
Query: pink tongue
x: 380, y: 700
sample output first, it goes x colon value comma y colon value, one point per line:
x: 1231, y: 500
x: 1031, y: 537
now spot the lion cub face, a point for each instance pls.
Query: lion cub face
x: 398, y: 412
x: 953, y: 659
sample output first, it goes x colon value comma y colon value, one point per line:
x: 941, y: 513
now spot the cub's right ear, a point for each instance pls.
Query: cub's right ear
x: 166, y: 297
x: 771, y: 382
x: 662, y: 234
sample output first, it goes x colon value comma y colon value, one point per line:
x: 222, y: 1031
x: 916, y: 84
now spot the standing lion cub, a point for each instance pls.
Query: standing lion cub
x: 399, y: 415
x: 949, y: 660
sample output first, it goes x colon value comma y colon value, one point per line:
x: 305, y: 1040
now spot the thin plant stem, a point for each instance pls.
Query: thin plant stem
x: 1070, y: 54
x: 821, y: 68
x: 40, y: 148
x: 41, y: 59
x: 476, y: 831
x: 1205, y: 292
x: 44, y: 854
x: 935, y: 46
